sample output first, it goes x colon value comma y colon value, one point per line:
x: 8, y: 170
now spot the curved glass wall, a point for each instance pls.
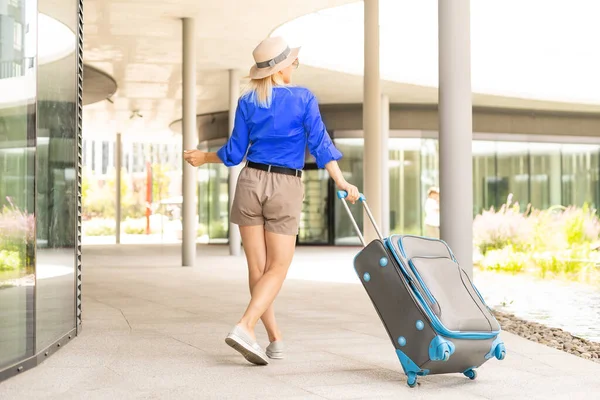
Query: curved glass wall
x: 39, y: 135
x: 56, y: 173
x: 17, y: 179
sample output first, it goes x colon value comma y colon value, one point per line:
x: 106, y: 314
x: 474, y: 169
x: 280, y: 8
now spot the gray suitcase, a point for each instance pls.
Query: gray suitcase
x: 433, y: 314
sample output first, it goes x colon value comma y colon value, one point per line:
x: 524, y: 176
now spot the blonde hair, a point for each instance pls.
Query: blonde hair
x: 260, y: 91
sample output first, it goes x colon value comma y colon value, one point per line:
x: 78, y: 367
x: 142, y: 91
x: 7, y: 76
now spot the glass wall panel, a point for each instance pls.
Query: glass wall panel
x: 512, y: 173
x: 406, y: 200
x: 56, y: 172
x: 430, y: 172
x: 485, y: 183
x: 18, y: 44
x: 213, y: 202
x: 580, y: 174
x: 314, y: 219
x: 352, y: 168
x: 545, y: 174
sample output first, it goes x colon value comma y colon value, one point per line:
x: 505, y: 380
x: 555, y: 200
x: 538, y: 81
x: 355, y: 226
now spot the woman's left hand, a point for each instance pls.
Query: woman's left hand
x: 195, y: 158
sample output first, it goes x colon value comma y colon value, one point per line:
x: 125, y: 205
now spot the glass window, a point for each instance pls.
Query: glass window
x: 104, y: 157
x: 512, y: 173
x: 485, y: 183
x: 405, y: 186
x: 580, y: 174
x: 351, y: 165
x: 17, y: 183
x: 213, y: 204
x: 18, y: 36
x: 545, y: 175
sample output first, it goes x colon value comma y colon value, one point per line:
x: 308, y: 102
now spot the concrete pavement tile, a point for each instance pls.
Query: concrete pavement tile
x: 334, y: 364
x: 372, y: 390
x: 47, y: 380
x: 420, y: 394
x: 523, y: 387
x: 340, y: 377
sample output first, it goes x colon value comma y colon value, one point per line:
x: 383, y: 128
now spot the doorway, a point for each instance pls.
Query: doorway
x: 316, y: 219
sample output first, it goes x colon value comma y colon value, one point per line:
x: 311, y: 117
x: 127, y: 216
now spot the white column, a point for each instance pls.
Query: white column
x: 385, y: 168
x: 235, y: 240
x: 189, y: 187
x: 118, y: 160
x: 456, y: 129
x: 372, y: 117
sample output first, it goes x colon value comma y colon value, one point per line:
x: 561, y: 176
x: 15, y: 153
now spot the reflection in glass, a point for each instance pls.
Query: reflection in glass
x: 580, y: 174
x: 351, y: 165
x: 513, y: 172
x: 545, y: 175
x: 213, y: 205
x: 17, y: 157
x: 56, y: 174
x: 485, y: 184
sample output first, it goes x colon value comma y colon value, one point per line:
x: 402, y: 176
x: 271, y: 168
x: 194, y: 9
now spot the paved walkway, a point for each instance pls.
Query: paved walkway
x: 153, y: 330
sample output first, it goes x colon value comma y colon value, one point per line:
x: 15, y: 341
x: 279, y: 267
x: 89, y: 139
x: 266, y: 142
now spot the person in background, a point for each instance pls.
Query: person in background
x: 432, y: 213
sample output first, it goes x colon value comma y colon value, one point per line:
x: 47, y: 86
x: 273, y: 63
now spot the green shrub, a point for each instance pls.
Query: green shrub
x: 134, y: 226
x: 217, y: 230
x: 494, y: 230
x: 99, y: 227
x: 10, y: 260
x: 506, y: 260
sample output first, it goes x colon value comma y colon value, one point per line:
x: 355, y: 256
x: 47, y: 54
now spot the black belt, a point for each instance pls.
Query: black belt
x: 273, y: 168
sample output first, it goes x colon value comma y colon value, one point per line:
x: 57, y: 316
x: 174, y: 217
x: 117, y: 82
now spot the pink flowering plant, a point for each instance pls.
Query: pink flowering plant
x: 559, y: 241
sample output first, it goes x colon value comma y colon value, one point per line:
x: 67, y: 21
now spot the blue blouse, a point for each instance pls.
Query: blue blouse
x: 280, y: 134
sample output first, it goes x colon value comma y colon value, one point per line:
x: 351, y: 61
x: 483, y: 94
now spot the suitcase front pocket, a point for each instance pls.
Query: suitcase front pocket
x: 442, y: 278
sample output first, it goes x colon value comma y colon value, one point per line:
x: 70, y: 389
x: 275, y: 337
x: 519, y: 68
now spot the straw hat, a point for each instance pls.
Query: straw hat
x: 271, y: 56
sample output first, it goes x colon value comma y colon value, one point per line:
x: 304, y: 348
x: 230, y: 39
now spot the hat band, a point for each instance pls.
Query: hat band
x: 274, y: 61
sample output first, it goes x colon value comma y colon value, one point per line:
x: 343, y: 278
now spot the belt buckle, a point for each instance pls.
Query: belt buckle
x: 269, y: 169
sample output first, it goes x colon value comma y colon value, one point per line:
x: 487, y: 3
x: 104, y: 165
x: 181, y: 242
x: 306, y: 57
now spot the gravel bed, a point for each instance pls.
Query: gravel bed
x: 552, y: 337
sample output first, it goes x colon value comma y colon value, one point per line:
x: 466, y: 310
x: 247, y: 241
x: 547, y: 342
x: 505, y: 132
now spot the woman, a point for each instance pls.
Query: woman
x: 274, y: 123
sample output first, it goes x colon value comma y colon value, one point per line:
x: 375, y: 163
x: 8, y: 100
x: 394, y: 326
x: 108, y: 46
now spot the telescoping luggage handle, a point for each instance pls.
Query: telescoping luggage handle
x: 342, y: 194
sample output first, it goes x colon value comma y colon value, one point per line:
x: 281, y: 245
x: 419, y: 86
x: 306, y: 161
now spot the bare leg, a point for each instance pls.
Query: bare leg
x: 255, y: 248
x: 280, y: 251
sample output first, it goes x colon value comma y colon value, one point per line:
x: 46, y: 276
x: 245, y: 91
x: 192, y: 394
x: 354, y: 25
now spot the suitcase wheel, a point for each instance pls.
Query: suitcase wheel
x: 412, y: 379
x: 446, y: 355
x: 500, y: 351
x: 441, y: 349
x: 471, y: 374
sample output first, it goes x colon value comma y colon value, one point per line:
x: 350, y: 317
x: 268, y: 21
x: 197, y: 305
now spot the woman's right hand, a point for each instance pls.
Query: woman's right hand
x: 353, y: 193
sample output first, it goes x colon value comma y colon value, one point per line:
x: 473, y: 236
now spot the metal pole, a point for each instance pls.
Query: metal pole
x: 456, y: 130
x: 118, y: 161
x: 372, y: 114
x: 385, y: 168
x: 235, y: 240
x: 189, y: 136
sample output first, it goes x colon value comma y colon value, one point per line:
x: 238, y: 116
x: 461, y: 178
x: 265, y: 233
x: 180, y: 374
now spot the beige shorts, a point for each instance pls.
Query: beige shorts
x: 270, y: 199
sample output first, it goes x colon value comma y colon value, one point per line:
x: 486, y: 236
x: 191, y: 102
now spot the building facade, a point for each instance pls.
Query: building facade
x: 541, y: 170
x: 40, y: 153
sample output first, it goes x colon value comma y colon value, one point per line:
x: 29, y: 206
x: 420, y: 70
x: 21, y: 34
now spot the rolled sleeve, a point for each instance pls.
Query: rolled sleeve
x: 319, y: 143
x: 233, y: 152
